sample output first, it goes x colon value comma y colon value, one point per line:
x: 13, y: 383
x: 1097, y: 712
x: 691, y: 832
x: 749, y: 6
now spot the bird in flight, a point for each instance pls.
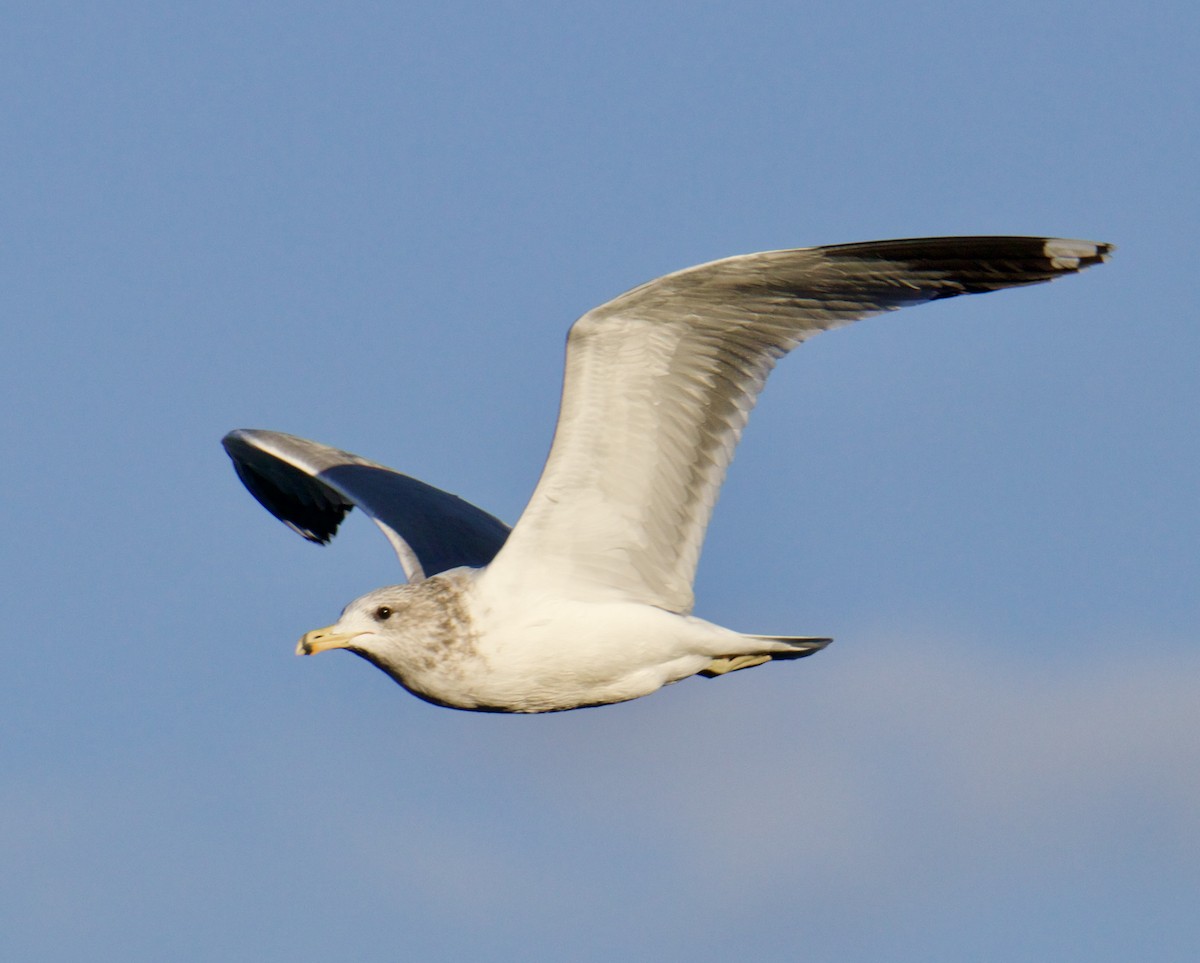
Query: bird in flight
x: 587, y: 600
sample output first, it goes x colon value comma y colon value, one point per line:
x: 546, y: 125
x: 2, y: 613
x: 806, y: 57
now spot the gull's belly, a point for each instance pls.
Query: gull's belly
x: 563, y: 655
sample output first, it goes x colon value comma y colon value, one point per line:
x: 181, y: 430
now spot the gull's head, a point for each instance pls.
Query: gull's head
x: 369, y: 625
x: 420, y: 634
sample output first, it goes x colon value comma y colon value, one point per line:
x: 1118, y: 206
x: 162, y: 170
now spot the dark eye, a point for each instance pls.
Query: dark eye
x: 383, y: 613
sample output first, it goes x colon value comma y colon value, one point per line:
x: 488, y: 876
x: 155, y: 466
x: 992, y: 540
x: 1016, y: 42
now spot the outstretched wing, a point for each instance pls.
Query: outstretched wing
x: 310, y: 487
x: 660, y: 381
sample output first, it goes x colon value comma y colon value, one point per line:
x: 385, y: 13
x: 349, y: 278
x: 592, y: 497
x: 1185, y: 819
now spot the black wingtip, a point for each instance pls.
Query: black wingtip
x: 305, y: 505
x: 977, y: 265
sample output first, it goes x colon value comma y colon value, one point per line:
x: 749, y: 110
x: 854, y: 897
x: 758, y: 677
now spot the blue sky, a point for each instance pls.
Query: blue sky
x: 372, y: 226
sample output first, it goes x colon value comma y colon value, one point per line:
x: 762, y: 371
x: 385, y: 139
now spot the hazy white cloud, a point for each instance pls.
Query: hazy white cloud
x: 880, y: 786
x: 923, y: 758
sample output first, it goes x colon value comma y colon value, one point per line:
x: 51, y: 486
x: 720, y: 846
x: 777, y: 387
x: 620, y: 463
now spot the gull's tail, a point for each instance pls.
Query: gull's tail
x: 776, y: 647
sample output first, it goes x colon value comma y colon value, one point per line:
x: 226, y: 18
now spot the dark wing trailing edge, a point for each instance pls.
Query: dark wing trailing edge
x: 310, y: 487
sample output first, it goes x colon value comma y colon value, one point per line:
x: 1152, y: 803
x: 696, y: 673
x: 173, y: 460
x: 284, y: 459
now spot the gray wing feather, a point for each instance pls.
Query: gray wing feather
x: 660, y: 382
x: 310, y: 487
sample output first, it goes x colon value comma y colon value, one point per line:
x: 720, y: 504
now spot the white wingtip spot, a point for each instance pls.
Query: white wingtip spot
x: 1070, y: 255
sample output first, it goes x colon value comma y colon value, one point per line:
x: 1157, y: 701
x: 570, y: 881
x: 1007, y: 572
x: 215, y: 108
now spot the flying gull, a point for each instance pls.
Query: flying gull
x: 587, y: 600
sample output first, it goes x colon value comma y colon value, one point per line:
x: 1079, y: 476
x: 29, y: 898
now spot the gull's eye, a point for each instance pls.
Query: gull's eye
x: 383, y: 613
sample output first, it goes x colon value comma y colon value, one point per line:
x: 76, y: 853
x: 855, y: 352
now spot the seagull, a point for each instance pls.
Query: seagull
x: 587, y: 600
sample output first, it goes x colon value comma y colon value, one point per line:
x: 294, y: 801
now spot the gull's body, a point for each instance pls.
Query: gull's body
x: 588, y: 599
x: 462, y: 641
